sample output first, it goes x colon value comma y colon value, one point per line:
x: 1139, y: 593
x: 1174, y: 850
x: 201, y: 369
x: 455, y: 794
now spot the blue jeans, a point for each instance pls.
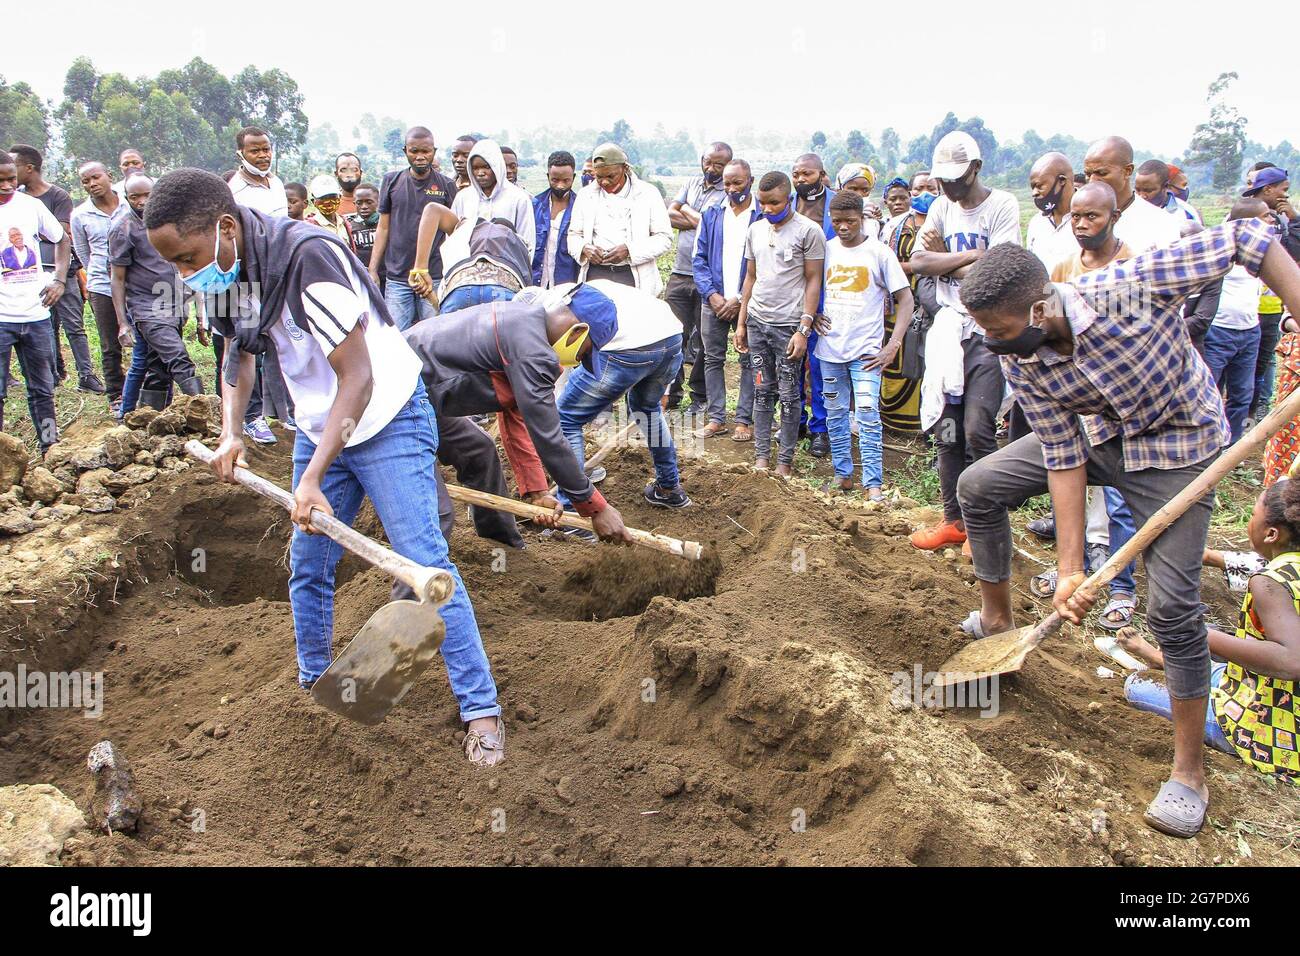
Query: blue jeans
x: 395, y: 469
x: 404, y: 305
x: 1231, y: 355
x: 464, y: 296
x: 1153, y: 697
x: 35, y: 345
x: 839, y: 380
x: 135, y: 375
x: 644, y: 374
x: 1121, y: 529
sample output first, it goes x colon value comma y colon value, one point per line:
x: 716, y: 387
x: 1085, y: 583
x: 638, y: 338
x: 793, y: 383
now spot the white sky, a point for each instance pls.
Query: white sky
x: 1136, y: 68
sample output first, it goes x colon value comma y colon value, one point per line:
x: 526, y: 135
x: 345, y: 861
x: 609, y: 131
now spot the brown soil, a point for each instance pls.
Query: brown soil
x: 735, y: 711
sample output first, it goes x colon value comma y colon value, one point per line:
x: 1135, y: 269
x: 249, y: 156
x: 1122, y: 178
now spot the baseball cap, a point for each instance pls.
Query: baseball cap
x: 594, y: 308
x: 953, y: 155
x: 324, y: 185
x: 608, y: 154
x: 1266, y: 177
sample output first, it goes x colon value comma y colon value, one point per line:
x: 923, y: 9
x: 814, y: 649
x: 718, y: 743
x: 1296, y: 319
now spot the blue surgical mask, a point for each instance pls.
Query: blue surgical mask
x: 921, y: 204
x: 739, y: 199
x: 212, y: 279
x: 777, y: 218
x: 586, y: 179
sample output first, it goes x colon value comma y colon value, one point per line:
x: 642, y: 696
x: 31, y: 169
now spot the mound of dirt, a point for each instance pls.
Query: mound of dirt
x: 752, y: 708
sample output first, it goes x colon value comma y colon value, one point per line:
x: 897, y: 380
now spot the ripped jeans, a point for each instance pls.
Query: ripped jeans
x: 839, y: 381
x: 775, y: 378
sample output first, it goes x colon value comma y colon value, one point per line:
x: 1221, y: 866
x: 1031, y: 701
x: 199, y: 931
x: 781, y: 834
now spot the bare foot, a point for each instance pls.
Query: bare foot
x: 784, y: 471
x: 760, y: 464
x: 1137, y: 645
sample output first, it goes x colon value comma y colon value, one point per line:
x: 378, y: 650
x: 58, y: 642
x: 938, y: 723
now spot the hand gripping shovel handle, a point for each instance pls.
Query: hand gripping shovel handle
x: 432, y: 585
x: 1173, y: 509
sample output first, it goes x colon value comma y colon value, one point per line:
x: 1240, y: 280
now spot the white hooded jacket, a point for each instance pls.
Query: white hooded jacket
x: 508, y: 201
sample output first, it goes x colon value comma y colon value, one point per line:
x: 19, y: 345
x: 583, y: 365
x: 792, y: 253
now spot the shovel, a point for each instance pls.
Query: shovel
x: 392, y: 649
x: 1005, y: 653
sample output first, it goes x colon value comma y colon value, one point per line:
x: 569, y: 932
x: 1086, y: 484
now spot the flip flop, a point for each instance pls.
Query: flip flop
x: 1176, y: 811
x: 1121, y: 603
x: 738, y: 435
x: 973, y: 626
x: 1043, y: 584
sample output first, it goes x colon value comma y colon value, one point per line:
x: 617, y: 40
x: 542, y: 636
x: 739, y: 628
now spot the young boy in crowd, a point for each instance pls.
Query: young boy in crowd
x: 296, y: 194
x: 860, y: 273
x: 778, y: 306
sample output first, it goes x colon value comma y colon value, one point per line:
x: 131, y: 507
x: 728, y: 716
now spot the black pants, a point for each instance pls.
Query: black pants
x: 967, y: 430
x: 255, y: 397
x: 1270, y: 330
x: 470, y: 450
x: 167, y: 351
x: 684, y: 299
x: 69, y: 313
x: 620, y: 274
x: 110, y: 352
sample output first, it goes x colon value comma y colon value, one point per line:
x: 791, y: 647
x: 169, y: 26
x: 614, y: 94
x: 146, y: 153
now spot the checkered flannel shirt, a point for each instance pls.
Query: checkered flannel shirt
x: 1134, y: 371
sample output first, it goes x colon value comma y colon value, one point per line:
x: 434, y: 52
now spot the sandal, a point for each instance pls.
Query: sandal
x: 711, y: 430
x: 1043, y: 584
x: 743, y: 433
x: 1122, y: 604
x: 485, y: 748
x: 1177, y: 810
x: 1109, y: 648
x: 973, y: 626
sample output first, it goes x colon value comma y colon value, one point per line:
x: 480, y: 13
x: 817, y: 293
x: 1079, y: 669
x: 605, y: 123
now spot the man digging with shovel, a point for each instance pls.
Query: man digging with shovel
x: 365, y: 427
x: 1116, y: 395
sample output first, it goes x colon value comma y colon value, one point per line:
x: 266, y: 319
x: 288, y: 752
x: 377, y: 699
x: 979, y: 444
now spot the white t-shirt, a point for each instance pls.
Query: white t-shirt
x: 857, y: 281
x: 643, y: 319
x: 994, y: 221
x: 24, y: 221
x: 1239, y: 300
x: 1143, y: 227
x: 734, y: 226
x: 270, y: 199
x: 1050, y: 242
x: 613, y: 223
x: 333, y: 310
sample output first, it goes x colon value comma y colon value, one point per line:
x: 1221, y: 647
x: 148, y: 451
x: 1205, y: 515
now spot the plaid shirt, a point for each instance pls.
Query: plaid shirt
x: 1133, y: 371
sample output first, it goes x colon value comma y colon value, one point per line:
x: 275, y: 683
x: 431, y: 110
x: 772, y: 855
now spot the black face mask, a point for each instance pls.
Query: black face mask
x: 1047, y: 204
x: 1023, y: 345
x: 1095, y: 243
x: 712, y: 178
x: 560, y: 193
x: 808, y: 191
x: 347, y: 185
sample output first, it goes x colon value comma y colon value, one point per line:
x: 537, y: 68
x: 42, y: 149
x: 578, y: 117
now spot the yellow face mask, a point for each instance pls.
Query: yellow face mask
x: 570, y: 345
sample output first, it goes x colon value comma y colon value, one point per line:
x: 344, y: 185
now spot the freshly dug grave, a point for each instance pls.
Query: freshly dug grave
x: 737, y: 711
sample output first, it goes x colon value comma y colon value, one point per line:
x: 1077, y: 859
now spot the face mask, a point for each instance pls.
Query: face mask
x: 372, y: 219
x: 808, y: 191
x: 253, y: 170
x: 586, y: 179
x: 211, y: 279
x: 921, y: 204
x: 1182, y: 194
x: 347, y: 185
x: 570, y: 344
x: 1047, y: 204
x: 1095, y: 243
x: 777, y: 218
x: 713, y: 178
x: 1023, y: 345
x: 739, y: 199
x: 559, y: 193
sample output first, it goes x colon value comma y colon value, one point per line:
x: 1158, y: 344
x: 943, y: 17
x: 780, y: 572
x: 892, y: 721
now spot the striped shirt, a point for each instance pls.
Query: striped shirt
x: 1133, y: 371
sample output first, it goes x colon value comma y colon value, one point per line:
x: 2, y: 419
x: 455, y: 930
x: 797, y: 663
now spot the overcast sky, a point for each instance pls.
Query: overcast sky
x: 1139, y: 69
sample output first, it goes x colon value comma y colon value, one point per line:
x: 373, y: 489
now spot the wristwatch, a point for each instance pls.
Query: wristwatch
x: 806, y: 330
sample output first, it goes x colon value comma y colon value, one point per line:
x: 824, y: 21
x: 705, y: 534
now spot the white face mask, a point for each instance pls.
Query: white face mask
x: 253, y: 170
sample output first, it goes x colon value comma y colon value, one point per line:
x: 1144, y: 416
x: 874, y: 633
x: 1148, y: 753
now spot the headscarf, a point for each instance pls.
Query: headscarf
x: 851, y: 171
x: 896, y: 181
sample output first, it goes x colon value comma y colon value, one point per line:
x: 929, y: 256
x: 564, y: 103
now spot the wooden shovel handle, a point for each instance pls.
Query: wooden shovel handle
x: 603, y: 452
x: 659, y: 542
x: 431, y: 584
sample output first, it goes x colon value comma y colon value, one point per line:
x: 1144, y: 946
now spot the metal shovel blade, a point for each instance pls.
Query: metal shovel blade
x: 1000, y: 654
x: 381, y: 663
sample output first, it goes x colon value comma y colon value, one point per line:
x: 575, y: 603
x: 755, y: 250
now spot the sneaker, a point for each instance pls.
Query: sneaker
x: 90, y: 383
x: 1095, y: 555
x: 289, y: 423
x: 259, y: 431
x: 932, y: 539
x: 580, y: 534
x: 597, y: 474
x: 676, y: 498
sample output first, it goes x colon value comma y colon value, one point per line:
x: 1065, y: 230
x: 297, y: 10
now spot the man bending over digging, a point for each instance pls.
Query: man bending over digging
x: 365, y: 426
x: 1111, y: 347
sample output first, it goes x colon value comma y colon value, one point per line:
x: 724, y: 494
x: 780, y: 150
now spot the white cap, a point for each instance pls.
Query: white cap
x: 953, y: 155
x: 324, y: 185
